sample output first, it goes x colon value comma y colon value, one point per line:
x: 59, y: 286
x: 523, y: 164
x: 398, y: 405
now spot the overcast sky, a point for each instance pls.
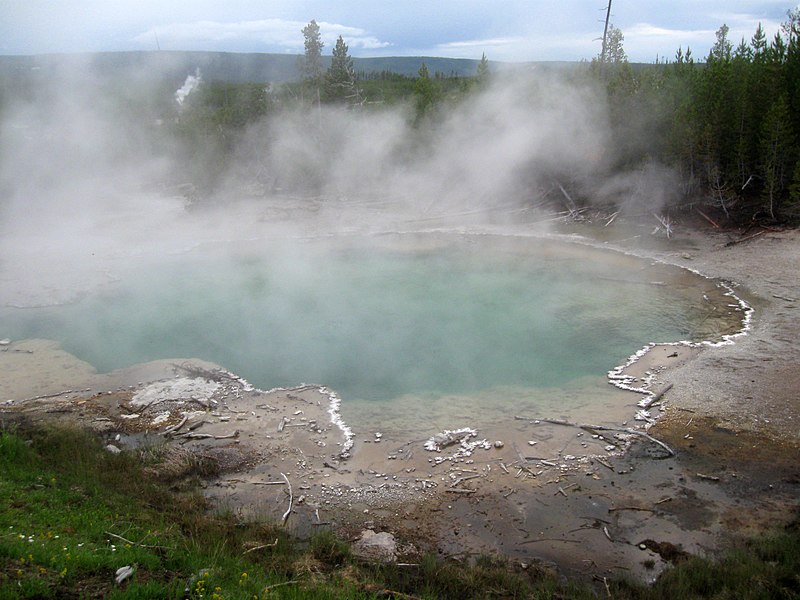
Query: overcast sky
x: 506, y: 30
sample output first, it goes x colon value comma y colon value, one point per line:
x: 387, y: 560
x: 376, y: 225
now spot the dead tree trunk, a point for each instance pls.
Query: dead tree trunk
x: 605, y: 37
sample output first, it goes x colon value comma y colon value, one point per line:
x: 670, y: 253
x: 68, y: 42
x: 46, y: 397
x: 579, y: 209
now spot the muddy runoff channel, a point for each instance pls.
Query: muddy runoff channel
x: 536, y: 459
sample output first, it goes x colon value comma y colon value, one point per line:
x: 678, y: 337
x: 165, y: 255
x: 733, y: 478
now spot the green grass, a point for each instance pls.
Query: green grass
x: 71, y: 514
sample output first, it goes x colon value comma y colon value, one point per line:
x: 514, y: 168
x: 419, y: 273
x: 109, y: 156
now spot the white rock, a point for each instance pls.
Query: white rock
x: 123, y: 573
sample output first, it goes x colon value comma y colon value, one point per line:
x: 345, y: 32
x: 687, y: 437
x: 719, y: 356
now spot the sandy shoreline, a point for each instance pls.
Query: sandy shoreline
x: 588, y: 516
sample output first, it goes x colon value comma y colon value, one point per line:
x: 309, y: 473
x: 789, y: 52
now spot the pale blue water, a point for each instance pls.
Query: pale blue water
x: 373, y: 324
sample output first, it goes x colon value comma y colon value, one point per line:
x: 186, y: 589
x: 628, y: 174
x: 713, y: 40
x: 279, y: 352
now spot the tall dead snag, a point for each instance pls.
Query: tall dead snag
x: 605, y: 35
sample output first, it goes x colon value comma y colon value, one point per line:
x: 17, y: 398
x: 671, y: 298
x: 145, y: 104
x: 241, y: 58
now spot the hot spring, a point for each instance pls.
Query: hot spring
x: 408, y: 329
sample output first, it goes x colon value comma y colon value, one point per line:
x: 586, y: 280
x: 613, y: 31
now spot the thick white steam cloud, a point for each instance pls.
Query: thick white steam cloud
x: 85, y: 179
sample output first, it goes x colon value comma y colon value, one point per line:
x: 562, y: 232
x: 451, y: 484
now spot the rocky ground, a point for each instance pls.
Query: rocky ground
x: 727, y: 461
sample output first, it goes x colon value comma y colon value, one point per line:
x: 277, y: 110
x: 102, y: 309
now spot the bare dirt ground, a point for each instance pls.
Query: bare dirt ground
x: 731, y: 417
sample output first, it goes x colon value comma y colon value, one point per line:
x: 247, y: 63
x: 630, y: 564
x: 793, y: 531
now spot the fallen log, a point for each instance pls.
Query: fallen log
x: 744, y: 239
x: 261, y: 547
x: 707, y: 218
x: 593, y: 428
x: 604, y: 463
x: 177, y: 427
x: 291, y: 500
x: 784, y: 298
x: 618, y: 508
x: 648, y: 402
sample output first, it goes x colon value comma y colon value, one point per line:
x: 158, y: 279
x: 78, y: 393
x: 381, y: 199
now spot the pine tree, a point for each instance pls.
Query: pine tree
x: 312, y: 61
x: 793, y: 203
x: 722, y: 48
x: 426, y: 91
x: 615, y: 53
x: 483, y: 70
x: 340, y: 82
x: 776, y: 146
x: 791, y: 68
x: 759, y: 44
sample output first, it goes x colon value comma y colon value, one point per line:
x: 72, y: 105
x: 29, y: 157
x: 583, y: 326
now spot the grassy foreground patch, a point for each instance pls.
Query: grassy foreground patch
x: 72, y: 514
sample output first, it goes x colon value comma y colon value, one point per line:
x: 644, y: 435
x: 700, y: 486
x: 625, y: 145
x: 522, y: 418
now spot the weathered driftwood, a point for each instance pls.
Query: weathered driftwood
x: 608, y: 535
x: 656, y: 397
x: 594, y: 428
x: 261, y: 547
x: 282, y: 584
x: 665, y: 223
x: 708, y: 477
x: 465, y: 478
x: 745, y: 238
x: 196, y: 436
x: 604, y: 463
x: 291, y: 500
x: 177, y: 427
x: 608, y: 589
x: 707, y: 218
x: 669, y: 450
x: 573, y: 209
x: 127, y: 541
x: 779, y: 297
x: 56, y: 395
x: 639, y: 508
x: 522, y: 459
x: 550, y: 540
x: 190, y: 435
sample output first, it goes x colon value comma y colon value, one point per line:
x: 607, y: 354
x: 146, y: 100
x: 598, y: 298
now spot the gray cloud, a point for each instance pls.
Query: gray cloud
x: 276, y: 34
x: 520, y: 31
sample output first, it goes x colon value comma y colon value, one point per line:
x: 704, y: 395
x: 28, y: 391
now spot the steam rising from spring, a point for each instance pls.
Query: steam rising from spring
x: 85, y: 179
x: 495, y: 148
x: 191, y: 83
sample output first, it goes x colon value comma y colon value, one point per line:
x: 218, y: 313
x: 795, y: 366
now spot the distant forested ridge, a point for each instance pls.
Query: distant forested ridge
x: 226, y: 67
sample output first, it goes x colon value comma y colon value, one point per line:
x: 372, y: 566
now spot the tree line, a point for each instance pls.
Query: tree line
x: 728, y: 125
